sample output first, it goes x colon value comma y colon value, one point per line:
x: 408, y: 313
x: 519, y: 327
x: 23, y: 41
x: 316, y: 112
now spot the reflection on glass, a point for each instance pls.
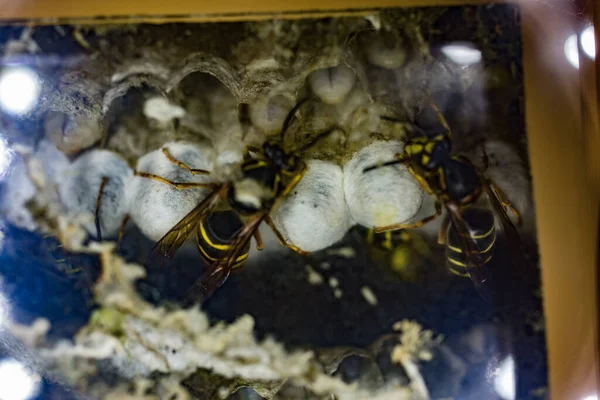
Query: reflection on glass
x: 571, y: 51
x: 16, y: 382
x: 588, y: 42
x: 387, y: 302
x: 504, y: 381
x: 4, y: 310
x: 591, y: 397
x: 5, y: 157
x: 462, y: 53
x: 19, y: 90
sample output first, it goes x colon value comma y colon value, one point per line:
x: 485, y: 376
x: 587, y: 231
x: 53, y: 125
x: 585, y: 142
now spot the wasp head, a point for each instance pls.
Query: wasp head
x: 283, y: 160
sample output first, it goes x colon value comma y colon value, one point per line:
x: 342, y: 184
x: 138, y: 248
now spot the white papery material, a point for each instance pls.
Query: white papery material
x: 156, y: 206
x: 383, y: 196
x: 315, y: 215
x: 19, y: 188
x: 332, y: 85
x: 81, y: 186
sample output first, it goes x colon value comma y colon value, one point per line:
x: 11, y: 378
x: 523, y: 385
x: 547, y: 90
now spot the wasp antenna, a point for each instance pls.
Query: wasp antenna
x: 391, y: 119
x: 291, y: 114
x: 385, y: 164
x: 318, y: 136
x: 441, y: 117
x: 97, y: 210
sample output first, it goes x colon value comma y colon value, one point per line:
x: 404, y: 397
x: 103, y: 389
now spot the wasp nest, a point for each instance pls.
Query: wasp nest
x: 138, y: 95
x: 142, y: 123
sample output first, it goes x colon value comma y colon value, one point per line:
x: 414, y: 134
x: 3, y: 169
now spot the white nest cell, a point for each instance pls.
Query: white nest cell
x: 383, y: 196
x: 332, y: 85
x: 157, y: 206
x: 70, y: 133
x: 386, y: 55
x: 315, y: 215
x: 269, y: 113
x: 80, y: 190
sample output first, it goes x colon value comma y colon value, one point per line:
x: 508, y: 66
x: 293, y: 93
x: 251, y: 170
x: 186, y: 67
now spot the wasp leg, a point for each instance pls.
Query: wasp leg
x: 441, y: 118
x: 412, y: 225
x: 282, y: 240
x: 399, y: 158
x: 252, y: 149
x: 80, y: 39
x: 294, y: 181
x: 259, y: 243
x: 122, y: 228
x: 484, y: 156
x: 441, y: 239
x: 97, y: 211
x: 193, y: 171
x: 176, y: 185
x: 505, y: 202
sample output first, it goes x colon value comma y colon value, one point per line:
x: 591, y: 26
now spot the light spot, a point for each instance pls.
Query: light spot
x: 17, y: 382
x: 504, y: 379
x: 162, y: 110
x: 326, y: 266
x: 333, y: 282
x: 462, y: 53
x: 19, y: 90
x: 314, y: 278
x: 571, y: 51
x: 590, y: 397
x: 368, y: 295
x: 344, y: 252
x: 588, y: 42
x: 6, y: 156
x: 4, y: 311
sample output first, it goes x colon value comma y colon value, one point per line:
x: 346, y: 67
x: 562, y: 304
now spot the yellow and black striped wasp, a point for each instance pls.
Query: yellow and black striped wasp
x: 403, y: 251
x: 468, y: 231
x: 231, y: 214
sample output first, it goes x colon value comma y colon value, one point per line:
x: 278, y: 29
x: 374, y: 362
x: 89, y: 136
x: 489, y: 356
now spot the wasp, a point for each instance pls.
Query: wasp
x: 482, y: 231
x: 468, y: 231
x: 403, y: 251
x: 226, y: 220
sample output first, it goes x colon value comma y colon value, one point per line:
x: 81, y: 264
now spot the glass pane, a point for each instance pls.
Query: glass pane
x: 143, y: 165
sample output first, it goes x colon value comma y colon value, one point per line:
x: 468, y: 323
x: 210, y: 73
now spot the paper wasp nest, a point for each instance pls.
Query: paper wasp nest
x: 207, y: 93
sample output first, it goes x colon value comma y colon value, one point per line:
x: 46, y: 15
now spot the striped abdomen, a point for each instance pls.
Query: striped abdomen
x: 482, y: 238
x: 215, y: 235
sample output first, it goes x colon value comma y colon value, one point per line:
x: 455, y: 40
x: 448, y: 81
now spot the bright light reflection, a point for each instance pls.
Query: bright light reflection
x: 590, y: 397
x: 16, y: 382
x: 588, y: 42
x: 4, y: 312
x: 504, y: 381
x: 19, y: 90
x: 6, y: 156
x: 462, y: 53
x: 571, y: 51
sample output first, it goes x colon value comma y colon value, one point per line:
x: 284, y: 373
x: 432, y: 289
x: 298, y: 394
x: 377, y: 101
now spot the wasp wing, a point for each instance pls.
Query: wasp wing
x: 515, y: 295
x: 168, y: 245
x: 512, y: 235
x: 216, y: 274
x: 474, y: 260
